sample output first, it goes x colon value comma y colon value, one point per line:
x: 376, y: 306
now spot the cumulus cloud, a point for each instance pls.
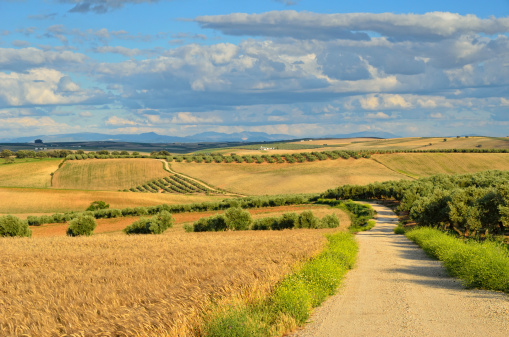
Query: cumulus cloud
x: 307, y: 25
x: 25, y: 58
x: 40, y: 86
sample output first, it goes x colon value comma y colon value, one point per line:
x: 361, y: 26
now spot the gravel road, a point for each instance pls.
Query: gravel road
x: 397, y: 290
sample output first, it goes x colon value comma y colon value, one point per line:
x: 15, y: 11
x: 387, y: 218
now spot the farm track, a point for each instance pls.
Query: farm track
x: 397, y: 290
x: 168, y: 168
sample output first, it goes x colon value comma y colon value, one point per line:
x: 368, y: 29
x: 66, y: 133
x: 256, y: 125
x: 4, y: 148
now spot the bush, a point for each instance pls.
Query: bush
x: 14, y: 226
x: 154, y: 225
x: 82, y: 225
x: 33, y: 221
x: 263, y: 224
x: 237, y: 219
x: 329, y: 221
x: 96, y: 205
x: 307, y: 220
x: 214, y: 223
x: 286, y: 221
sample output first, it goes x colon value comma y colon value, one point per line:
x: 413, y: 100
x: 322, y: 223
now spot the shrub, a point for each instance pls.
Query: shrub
x: 14, y: 226
x: 286, y: 221
x: 263, y: 224
x: 82, y: 225
x: 154, y: 225
x: 307, y: 220
x: 214, y: 223
x: 238, y: 219
x: 33, y: 221
x: 96, y: 205
x: 329, y: 221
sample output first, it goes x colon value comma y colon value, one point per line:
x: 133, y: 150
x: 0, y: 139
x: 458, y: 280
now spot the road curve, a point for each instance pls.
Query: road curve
x: 397, y: 290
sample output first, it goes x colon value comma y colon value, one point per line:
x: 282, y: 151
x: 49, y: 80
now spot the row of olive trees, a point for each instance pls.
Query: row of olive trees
x: 469, y: 204
x: 235, y: 219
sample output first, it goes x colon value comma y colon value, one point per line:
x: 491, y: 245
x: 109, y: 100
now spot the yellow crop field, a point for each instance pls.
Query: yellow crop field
x: 33, y: 201
x: 28, y: 173
x: 308, y: 177
x: 107, y: 174
x: 152, y: 285
x: 426, y: 164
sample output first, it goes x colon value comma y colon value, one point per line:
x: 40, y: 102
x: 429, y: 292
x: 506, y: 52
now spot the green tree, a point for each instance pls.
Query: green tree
x: 82, y: 225
x: 41, y: 155
x: 6, y: 153
x: 96, y: 205
x: 13, y: 226
x: 237, y: 219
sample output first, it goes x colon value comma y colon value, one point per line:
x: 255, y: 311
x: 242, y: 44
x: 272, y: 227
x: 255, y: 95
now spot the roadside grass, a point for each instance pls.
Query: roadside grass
x: 26, y: 201
x: 28, y: 172
x: 153, y: 285
x: 107, y: 174
x: 308, y: 177
x: 425, y: 164
x: 292, y: 300
x: 479, y: 265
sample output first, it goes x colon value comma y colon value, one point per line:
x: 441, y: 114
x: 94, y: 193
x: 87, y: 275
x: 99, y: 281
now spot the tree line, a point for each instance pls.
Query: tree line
x: 469, y: 204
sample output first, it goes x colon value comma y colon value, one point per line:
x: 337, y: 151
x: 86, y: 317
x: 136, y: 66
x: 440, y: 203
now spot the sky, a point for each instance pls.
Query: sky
x: 307, y: 68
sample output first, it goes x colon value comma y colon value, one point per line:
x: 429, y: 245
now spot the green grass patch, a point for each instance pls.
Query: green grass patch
x: 479, y: 265
x: 293, y: 298
x: 399, y: 230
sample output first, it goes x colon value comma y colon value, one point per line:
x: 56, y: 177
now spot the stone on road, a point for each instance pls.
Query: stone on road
x: 397, y: 290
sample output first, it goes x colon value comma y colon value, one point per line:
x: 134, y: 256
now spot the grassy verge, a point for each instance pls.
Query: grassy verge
x: 479, y: 265
x: 293, y: 298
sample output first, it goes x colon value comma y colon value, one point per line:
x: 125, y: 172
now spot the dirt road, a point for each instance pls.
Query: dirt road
x: 397, y: 290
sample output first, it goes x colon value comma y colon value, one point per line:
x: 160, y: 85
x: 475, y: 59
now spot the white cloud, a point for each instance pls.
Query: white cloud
x: 40, y: 86
x: 307, y: 25
x: 378, y: 115
x: 117, y: 121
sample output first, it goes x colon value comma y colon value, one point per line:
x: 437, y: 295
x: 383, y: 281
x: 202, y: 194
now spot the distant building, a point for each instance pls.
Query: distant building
x: 38, y: 141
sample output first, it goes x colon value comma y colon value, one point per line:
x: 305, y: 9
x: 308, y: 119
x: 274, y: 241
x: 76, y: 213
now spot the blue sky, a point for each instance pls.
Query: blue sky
x: 305, y: 68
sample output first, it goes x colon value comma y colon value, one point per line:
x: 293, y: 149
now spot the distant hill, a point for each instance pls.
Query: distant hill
x: 152, y: 137
x: 364, y: 134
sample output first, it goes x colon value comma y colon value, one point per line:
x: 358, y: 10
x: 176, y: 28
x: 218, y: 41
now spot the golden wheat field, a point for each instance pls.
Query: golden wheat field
x: 114, y: 225
x: 28, y: 173
x: 425, y: 164
x: 308, y: 177
x: 33, y: 201
x: 147, y: 285
x: 107, y: 174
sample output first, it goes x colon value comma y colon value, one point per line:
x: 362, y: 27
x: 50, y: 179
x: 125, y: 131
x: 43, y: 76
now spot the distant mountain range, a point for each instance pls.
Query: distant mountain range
x: 152, y: 137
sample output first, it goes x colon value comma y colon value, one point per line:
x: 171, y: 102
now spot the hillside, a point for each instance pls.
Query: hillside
x: 28, y: 172
x: 308, y: 177
x: 107, y: 174
x: 425, y: 164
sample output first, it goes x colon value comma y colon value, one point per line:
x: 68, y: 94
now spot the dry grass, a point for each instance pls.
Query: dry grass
x: 28, y: 173
x: 308, y: 177
x: 107, y: 174
x: 426, y: 164
x: 117, y: 224
x: 153, y: 285
x: 33, y: 201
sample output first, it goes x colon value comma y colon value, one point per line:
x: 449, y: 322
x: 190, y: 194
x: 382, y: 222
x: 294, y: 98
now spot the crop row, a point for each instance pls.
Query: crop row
x: 172, y: 184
